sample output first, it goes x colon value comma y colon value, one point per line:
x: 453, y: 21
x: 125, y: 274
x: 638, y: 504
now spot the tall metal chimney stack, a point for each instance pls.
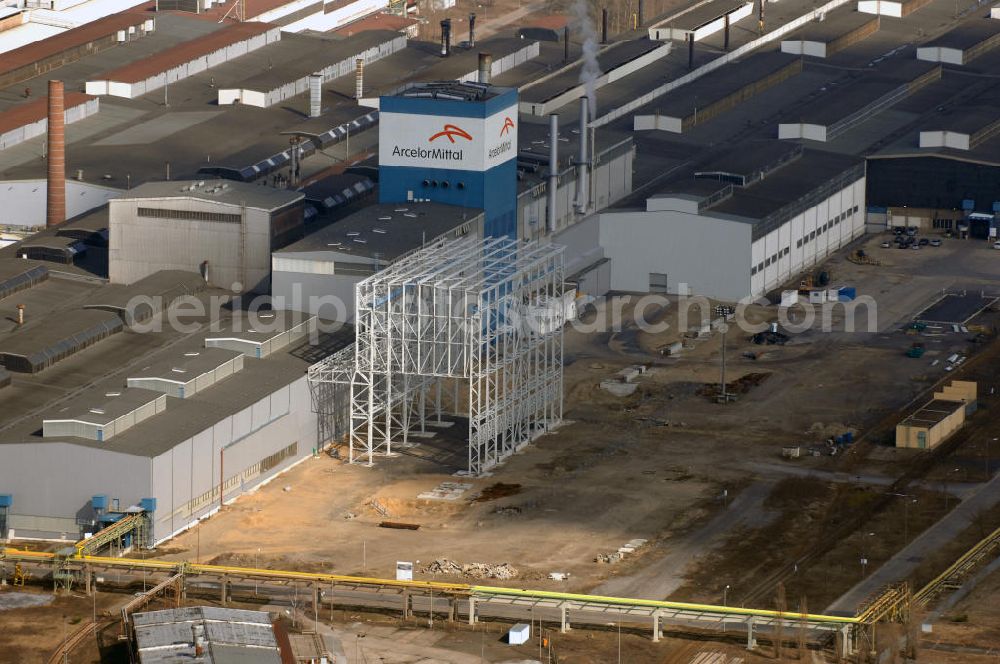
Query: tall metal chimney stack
x: 472, y: 30
x: 583, y: 164
x: 55, y: 198
x: 604, y: 26
x: 485, y: 67
x: 553, y: 171
x: 359, y: 78
x: 445, y: 37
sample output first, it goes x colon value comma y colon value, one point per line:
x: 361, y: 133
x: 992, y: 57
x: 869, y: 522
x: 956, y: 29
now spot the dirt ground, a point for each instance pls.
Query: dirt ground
x: 30, y: 635
x: 657, y: 465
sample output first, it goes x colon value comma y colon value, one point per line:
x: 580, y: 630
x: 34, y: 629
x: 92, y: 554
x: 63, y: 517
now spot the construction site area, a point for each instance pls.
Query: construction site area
x: 789, y: 495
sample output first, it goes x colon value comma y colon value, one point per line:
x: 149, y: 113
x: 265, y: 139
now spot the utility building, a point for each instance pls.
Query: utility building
x: 939, y: 418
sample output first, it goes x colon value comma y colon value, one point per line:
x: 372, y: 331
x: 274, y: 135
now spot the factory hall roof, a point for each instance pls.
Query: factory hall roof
x: 788, y: 185
x: 100, y: 407
x: 185, y: 52
x: 185, y: 367
x: 206, y: 634
x: 227, y: 192
x: 33, y: 111
x: 387, y: 231
x: 182, y: 418
x: 71, y: 39
x: 295, y: 56
x: 967, y: 35
x: 834, y: 25
x: 380, y: 21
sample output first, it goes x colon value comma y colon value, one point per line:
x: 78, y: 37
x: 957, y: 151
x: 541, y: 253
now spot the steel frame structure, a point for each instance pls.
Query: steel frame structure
x: 466, y: 311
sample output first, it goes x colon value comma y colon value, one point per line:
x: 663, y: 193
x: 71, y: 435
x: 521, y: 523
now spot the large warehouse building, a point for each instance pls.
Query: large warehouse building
x: 735, y: 230
x: 193, y: 425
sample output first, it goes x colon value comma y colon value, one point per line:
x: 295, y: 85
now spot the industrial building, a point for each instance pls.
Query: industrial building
x: 935, y: 421
x: 208, y: 634
x: 318, y: 273
x: 453, y: 143
x: 175, y: 434
x: 223, y: 230
x: 738, y: 229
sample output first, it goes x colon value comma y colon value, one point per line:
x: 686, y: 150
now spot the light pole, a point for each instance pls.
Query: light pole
x: 906, y: 515
x: 725, y: 602
x: 989, y: 471
x: 256, y: 565
x: 864, y: 558
x: 724, y: 311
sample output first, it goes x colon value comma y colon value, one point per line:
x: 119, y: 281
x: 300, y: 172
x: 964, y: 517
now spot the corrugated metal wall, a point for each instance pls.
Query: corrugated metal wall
x: 139, y: 247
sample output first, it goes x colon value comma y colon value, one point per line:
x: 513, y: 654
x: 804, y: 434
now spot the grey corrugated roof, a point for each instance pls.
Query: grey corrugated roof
x: 226, y: 636
x: 834, y: 26
x: 183, y: 418
x: 223, y: 191
x: 387, y: 230
x: 967, y: 35
x: 295, y: 56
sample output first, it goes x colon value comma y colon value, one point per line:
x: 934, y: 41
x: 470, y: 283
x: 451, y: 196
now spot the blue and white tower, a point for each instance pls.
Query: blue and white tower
x: 453, y: 143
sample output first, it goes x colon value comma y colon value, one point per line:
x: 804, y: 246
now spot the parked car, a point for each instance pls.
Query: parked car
x: 886, y: 244
x: 935, y: 242
x: 897, y: 230
x: 924, y: 242
x: 911, y: 230
x: 915, y: 245
x: 996, y: 245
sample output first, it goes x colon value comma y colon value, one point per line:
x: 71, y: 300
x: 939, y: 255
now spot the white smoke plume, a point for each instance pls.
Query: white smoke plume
x: 591, y: 70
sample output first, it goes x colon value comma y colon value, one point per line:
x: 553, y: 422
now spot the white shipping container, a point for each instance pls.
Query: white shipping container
x: 789, y: 298
x: 519, y: 634
x: 817, y: 297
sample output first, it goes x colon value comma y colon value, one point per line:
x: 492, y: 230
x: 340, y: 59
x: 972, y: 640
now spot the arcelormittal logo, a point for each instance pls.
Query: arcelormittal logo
x: 450, y: 131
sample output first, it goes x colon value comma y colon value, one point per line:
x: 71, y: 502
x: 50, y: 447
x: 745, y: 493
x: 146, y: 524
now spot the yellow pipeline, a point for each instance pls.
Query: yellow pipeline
x: 679, y: 606
x: 197, y: 568
x: 461, y: 588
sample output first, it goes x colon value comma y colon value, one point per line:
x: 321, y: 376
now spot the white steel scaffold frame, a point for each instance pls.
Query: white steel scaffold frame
x: 476, y: 312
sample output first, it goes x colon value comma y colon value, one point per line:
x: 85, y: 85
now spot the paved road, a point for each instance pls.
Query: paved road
x: 959, y: 489
x: 662, y: 577
x: 904, y: 562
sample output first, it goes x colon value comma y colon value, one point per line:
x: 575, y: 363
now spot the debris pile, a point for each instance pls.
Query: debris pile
x: 615, y: 556
x: 445, y: 491
x: 502, y: 571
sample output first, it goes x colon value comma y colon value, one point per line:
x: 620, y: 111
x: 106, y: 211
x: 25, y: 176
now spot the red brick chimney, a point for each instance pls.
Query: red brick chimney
x: 56, y: 196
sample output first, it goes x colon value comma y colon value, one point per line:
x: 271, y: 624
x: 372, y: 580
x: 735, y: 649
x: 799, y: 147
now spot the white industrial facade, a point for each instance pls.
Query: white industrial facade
x: 672, y: 246
x: 225, y: 230
x: 222, y: 454
x: 472, y: 312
